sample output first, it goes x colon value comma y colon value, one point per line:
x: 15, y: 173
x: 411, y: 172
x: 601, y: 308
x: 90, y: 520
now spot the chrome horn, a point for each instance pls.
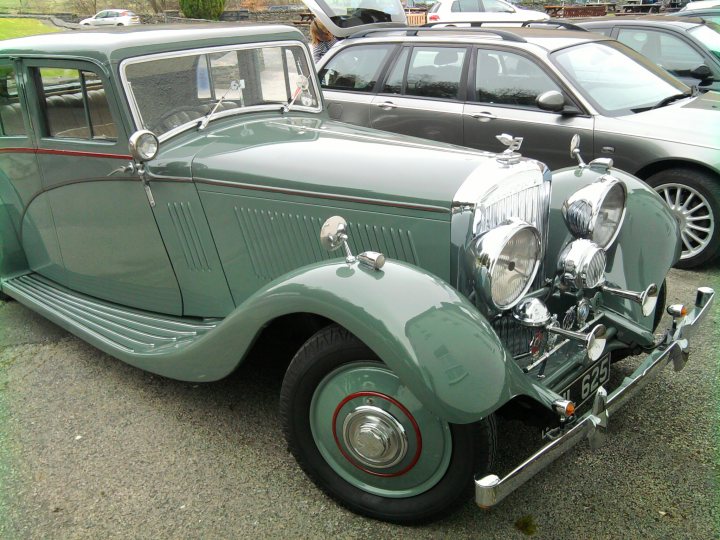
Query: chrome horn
x: 532, y: 312
x: 647, y: 298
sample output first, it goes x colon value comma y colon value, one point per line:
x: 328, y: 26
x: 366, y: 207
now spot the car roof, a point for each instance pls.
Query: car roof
x: 545, y: 38
x: 115, y: 44
x: 662, y: 21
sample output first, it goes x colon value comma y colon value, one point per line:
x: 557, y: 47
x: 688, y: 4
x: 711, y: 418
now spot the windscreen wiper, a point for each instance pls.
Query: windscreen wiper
x: 670, y: 99
x: 234, y: 85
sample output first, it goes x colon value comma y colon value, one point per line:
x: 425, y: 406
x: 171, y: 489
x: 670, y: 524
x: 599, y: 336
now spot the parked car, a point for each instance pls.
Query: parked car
x: 689, y: 48
x: 708, y: 14
x: 170, y: 194
x: 464, y: 85
x: 701, y: 4
x: 112, y: 17
x: 452, y: 11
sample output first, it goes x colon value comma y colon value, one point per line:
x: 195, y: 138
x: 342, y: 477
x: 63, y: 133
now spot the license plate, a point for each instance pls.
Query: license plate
x: 585, y: 386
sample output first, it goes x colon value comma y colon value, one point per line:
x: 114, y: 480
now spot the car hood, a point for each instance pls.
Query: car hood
x: 327, y: 159
x: 690, y: 121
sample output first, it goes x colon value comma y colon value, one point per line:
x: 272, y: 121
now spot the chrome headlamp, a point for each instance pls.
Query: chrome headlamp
x: 582, y: 264
x: 596, y: 212
x: 506, y: 260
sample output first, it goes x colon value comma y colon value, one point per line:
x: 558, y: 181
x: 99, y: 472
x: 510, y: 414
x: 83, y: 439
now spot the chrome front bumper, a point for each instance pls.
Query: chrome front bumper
x: 490, y: 489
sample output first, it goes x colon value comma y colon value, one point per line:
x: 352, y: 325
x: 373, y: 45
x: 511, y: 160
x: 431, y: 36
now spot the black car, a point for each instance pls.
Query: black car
x: 687, y: 47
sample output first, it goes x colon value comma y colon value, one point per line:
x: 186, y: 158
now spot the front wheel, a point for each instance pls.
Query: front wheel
x: 694, y: 198
x: 365, y: 440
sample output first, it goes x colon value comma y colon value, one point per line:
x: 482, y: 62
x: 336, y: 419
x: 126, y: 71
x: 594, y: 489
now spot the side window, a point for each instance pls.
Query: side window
x: 11, y: 117
x: 466, y: 6
x: 355, y: 68
x: 394, y: 83
x: 506, y: 78
x: 666, y: 50
x: 435, y: 72
x: 75, y: 105
x: 494, y: 6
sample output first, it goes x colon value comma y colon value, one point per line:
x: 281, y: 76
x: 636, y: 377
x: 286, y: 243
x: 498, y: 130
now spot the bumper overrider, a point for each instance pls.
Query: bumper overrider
x: 490, y: 489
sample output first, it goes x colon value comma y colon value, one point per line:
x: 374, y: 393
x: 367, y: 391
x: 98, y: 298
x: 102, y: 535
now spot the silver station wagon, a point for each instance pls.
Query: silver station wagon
x: 466, y: 85
x: 171, y: 194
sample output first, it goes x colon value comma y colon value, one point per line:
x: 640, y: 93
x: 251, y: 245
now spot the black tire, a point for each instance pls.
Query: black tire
x: 332, y: 350
x: 704, y: 188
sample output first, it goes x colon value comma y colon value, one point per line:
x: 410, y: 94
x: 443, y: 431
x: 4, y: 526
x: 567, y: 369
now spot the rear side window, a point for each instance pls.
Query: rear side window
x: 466, y: 6
x: 505, y: 78
x: 75, y: 105
x: 11, y: 117
x: 435, y: 72
x: 355, y: 68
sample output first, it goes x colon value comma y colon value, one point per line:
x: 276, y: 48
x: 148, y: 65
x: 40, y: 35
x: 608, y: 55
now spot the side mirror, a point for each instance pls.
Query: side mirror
x: 143, y: 145
x: 552, y: 100
x: 702, y: 72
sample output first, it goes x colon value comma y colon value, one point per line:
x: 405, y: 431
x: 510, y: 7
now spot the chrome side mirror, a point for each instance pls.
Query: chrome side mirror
x: 575, y: 149
x: 333, y: 236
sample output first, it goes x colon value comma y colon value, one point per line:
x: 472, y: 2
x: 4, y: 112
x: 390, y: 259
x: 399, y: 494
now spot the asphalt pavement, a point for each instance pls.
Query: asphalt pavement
x: 93, y: 448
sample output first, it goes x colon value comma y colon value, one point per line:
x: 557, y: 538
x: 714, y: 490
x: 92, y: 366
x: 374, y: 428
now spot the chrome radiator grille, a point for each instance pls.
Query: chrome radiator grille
x: 523, y: 199
x: 531, y: 205
x: 513, y: 335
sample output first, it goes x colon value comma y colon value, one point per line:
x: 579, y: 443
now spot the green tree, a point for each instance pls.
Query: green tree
x: 202, y: 9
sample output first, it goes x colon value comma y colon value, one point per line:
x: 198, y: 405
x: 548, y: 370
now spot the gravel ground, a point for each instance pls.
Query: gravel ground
x: 93, y: 448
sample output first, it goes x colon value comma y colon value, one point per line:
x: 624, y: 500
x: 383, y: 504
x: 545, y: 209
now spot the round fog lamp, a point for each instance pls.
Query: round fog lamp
x: 582, y: 264
x: 597, y: 211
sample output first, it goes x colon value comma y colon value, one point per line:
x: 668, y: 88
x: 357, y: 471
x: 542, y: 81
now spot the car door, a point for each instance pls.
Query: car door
x: 349, y: 79
x: 503, y: 89
x: 670, y: 50
x: 100, y: 19
x: 28, y: 234
x: 111, y: 19
x: 109, y: 240
x: 423, y: 94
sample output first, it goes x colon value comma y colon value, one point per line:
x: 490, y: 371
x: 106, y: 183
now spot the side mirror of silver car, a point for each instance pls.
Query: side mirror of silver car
x: 552, y: 100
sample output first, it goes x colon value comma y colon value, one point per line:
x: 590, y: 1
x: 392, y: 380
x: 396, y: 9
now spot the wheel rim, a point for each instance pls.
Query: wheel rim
x: 375, y: 434
x: 694, y: 214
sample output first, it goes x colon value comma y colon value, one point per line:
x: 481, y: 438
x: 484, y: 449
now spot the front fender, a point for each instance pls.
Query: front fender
x: 433, y: 338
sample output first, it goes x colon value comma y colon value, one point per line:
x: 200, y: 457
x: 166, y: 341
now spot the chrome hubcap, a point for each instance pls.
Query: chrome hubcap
x: 694, y: 215
x: 374, y: 437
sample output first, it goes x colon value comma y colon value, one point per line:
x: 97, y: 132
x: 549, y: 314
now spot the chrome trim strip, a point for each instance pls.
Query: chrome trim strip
x: 300, y: 193
x: 490, y: 489
x: 134, y: 109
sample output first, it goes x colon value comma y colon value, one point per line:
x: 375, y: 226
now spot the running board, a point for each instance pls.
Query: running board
x: 120, y: 328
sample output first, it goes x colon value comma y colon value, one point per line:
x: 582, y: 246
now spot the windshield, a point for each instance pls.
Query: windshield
x: 173, y: 93
x: 351, y: 13
x: 709, y: 35
x: 616, y: 79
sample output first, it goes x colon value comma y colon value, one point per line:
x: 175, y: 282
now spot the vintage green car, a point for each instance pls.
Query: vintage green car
x: 169, y: 194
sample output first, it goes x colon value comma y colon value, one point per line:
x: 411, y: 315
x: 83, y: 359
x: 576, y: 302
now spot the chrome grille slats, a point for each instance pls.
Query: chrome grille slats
x: 513, y: 335
x: 530, y: 202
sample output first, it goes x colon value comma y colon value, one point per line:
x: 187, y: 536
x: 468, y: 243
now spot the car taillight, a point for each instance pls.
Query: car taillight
x: 433, y: 18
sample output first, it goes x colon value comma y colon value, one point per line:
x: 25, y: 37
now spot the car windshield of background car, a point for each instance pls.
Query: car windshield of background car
x: 616, y: 79
x: 349, y: 13
x: 709, y: 35
x: 173, y: 92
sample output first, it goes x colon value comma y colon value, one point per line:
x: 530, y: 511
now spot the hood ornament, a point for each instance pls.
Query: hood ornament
x: 510, y: 156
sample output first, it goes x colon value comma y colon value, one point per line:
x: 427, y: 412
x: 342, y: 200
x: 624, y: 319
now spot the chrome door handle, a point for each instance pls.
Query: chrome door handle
x: 387, y: 105
x: 483, y: 116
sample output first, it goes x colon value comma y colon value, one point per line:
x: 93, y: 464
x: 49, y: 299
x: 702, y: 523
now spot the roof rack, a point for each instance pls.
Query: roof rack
x: 506, y: 35
x: 516, y: 24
